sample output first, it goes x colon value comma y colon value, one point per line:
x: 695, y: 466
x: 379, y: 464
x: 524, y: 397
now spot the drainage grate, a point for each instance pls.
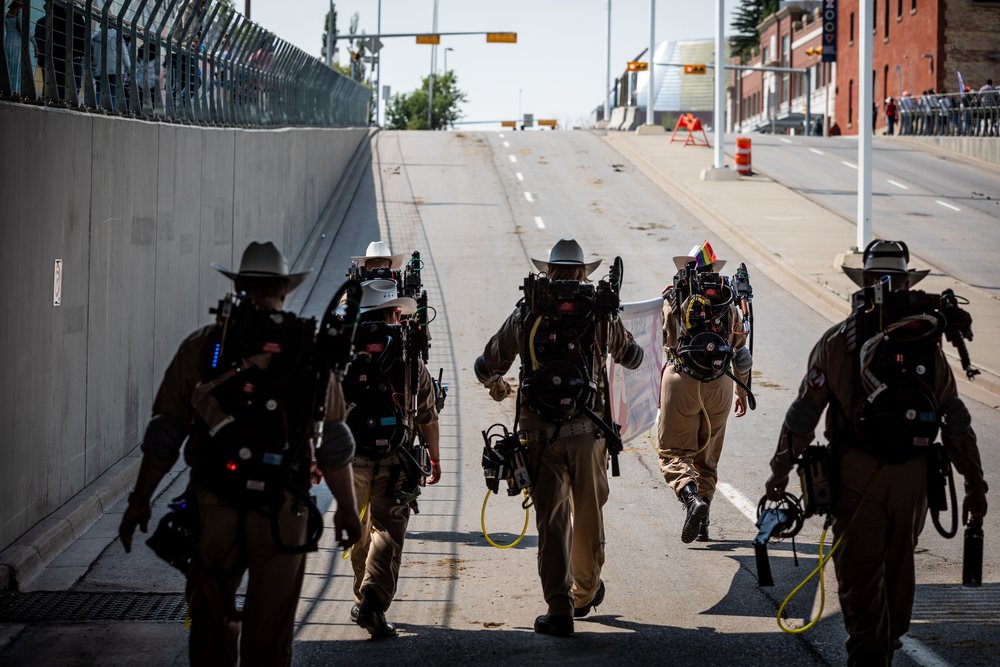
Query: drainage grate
x: 78, y: 606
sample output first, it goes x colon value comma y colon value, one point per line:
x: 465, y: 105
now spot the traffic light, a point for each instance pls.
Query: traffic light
x: 694, y: 69
x: 814, y: 51
x: 638, y: 66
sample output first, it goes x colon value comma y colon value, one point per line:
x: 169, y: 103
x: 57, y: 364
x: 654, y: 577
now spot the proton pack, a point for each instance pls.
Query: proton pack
x: 894, y: 338
x: 376, y: 390
x: 256, y: 400
x: 702, y: 303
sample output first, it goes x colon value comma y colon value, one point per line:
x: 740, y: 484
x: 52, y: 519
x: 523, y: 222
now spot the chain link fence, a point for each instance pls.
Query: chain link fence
x: 189, y: 61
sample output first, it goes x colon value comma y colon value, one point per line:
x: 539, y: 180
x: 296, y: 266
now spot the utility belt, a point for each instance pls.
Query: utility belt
x: 567, y: 430
x: 879, y: 452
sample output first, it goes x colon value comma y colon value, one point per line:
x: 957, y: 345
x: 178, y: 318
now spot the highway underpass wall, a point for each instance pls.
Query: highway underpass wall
x: 136, y: 212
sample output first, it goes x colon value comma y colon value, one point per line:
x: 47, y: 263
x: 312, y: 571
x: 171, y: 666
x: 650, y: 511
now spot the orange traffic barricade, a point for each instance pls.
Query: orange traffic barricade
x: 744, y: 165
x: 692, y: 124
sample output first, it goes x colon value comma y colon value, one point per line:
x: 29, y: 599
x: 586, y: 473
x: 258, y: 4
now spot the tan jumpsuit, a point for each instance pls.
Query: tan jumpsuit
x: 874, y: 563
x: 569, y: 483
x: 693, y: 415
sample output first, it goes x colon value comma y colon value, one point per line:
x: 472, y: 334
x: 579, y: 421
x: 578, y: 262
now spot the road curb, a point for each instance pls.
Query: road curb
x: 25, y: 558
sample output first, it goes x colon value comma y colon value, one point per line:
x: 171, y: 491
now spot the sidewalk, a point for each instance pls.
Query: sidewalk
x: 800, y: 243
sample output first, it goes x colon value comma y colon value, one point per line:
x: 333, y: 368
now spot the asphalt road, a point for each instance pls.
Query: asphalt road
x: 478, y: 206
x: 947, y: 209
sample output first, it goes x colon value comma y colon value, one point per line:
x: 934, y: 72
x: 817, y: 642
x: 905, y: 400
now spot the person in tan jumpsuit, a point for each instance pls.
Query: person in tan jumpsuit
x: 376, y: 557
x: 234, y: 541
x: 693, y: 413
x: 874, y: 563
x: 569, y: 474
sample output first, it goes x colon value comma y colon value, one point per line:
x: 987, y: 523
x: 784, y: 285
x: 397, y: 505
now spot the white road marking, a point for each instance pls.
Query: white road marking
x: 849, y: 164
x: 742, y: 503
x: 787, y: 141
x: 778, y: 217
x: 501, y: 135
x: 512, y: 158
x: 539, y: 223
x: 897, y: 184
x: 519, y: 176
x: 527, y: 195
x: 947, y: 205
x: 816, y: 151
x: 506, y: 144
x: 919, y: 653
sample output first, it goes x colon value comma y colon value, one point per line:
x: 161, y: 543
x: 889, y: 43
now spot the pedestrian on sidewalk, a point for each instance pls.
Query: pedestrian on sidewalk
x: 242, y: 397
x: 879, y: 456
x: 704, y: 341
x: 891, y: 115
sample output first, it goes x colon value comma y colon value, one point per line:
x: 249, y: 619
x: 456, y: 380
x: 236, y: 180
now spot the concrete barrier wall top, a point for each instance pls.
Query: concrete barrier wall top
x: 136, y: 211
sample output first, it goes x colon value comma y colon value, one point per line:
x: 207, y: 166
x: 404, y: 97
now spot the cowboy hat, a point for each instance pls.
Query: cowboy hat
x: 263, y: 260
x: 378, y: 294
x: 885, y: 258
x: 566, y: 252
x: 703, y: 256
x: 380, y: 250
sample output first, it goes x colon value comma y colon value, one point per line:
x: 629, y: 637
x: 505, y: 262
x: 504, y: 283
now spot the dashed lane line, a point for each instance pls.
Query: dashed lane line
x: 520, y: 177
x: 539, y: 223
x: 947, y: 205
x: 506, y: 144
x: 849, y: 164
x: 741, y: 502
x: 816, y: 151
x: 501, y: 135
x: 919, y: 653
x: 897, y: 184
x: 512, y: 158
x: 787, y: 141
x: 527, y: 195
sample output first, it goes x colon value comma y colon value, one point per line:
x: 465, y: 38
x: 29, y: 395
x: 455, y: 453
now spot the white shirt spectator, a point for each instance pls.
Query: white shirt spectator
x: 113, y: 57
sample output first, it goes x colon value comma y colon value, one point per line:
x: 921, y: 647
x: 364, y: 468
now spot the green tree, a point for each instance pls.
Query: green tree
x: 329, y: 21
x: 409, y: 112
x: 746, y: 18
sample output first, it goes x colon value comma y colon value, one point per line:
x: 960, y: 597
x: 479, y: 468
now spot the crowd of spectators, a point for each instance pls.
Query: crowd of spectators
x: 967, y: 113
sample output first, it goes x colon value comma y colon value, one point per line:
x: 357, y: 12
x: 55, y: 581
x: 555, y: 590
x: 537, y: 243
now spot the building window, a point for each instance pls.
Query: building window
x: 850, y: 103
x: 786, y: 50
x: 852, y: 28
x: 913, y: 6
x: 875, y: 16
x: 885, y: 83
x: 886, y: 29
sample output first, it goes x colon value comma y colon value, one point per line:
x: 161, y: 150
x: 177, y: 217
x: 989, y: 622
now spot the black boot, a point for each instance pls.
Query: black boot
x: 697, y: 510
x: 703, y: 529
x: 559, y: 626
x: 371, y: 615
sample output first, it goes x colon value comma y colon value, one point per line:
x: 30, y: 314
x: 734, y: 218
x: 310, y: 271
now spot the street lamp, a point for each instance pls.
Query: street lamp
x: 446, y: 50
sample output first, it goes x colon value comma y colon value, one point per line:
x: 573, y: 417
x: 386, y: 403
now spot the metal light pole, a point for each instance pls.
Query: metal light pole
x: 246, y: 9
x: 430, y: 80
x: 720, y: 46
x: 865, y: 94
x: 446, y: 50
x: 329, y: 36
x: 378, y: 74
x: 607, y: 78
x: 652, y: 64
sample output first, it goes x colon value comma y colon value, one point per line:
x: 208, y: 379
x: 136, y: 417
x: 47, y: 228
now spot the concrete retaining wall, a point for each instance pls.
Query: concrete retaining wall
x: 136, y: 211
x: 985, y: 149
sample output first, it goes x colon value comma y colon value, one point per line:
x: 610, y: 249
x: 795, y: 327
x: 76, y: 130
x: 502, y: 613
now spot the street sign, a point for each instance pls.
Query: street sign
x: 386, y: 92
x: 428, y: 39
x: 694, y: 69
x: 638, y: 66
x: 508, y: 123
x: 529, y: 120
x: 502, y: 37
x: 829, y: 18
x: 371, y: 60
x: 546, y: 122
x: 373, y: 44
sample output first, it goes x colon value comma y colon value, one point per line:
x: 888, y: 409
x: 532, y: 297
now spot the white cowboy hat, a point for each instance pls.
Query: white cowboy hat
x: 885, y: 258
x: 377, y: 294
x: 380, y: 250
x: 703, y: 255
x: 263, y: 260
x: 566, y: 252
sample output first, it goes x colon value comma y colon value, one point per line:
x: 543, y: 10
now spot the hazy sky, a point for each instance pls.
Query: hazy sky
x: 556, y: 69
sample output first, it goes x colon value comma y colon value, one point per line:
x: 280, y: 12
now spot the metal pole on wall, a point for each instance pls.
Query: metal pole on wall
x: 378, y: 73
x: 430, y: 80
x: 652, y: 47
x: 865, y: 94
x: 246, y: 9
x: 607, y: 78
x: 719, y: 73
x: 329, y: 36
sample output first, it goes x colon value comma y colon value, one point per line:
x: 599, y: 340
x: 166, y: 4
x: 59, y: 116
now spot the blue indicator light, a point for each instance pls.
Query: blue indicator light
x: 215, y: 355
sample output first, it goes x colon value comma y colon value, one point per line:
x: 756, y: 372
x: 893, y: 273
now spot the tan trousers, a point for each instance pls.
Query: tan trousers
x: 570, y: 488
x: 683, y: 429
x: 874, y: 563
x: 377, y: 555
x: 230, y: 546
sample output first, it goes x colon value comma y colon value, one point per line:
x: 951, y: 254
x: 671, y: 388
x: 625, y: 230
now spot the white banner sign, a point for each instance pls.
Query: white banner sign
x: 635, y: 394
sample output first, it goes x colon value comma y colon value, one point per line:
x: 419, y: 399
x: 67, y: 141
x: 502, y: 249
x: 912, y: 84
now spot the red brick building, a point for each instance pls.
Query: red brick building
x: 918, y: 45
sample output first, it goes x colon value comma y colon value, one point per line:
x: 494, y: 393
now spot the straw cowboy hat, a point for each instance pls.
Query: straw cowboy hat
x: 703, y: 256
x: 566, y: 252
x: 380, y: 250
x: 885, y: 258
x: 378, y: 294
x: 263, y: 260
